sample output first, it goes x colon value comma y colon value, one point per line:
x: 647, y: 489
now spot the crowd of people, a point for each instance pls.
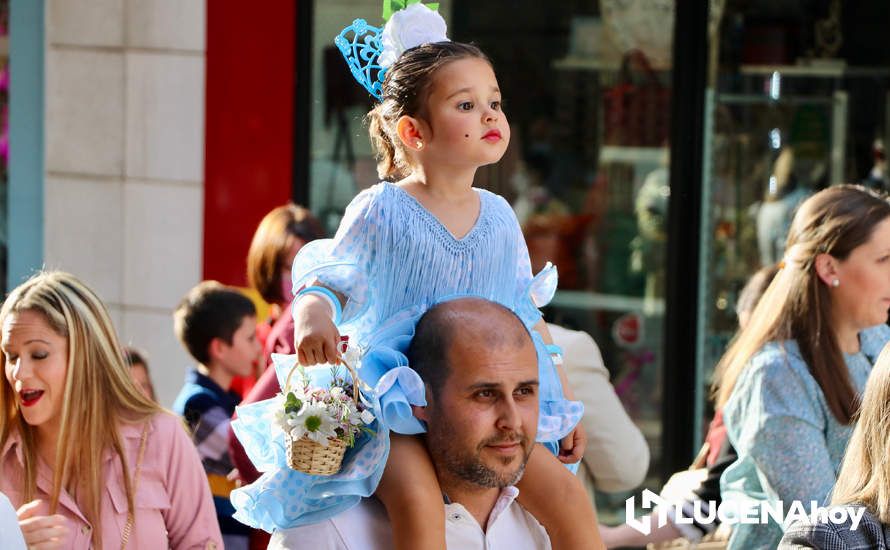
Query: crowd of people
x: 483, y: 413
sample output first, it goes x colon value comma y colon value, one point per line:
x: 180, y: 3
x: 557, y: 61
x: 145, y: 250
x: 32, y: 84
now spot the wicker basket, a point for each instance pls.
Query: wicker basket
x: 307, y: 456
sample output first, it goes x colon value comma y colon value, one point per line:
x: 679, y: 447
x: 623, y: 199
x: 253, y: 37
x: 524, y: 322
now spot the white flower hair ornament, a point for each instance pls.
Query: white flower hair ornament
x: 369, y: 51
x: 408, y: 28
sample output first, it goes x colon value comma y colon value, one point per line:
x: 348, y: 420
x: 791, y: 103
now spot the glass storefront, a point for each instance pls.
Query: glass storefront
x: 797, y: 101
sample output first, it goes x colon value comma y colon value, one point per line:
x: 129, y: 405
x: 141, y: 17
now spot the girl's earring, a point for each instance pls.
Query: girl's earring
x: 419, y: 145
x: 835, y: 283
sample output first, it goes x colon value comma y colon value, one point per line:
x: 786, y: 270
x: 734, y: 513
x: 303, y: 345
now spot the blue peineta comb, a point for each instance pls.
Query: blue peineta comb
x: 361, y: 52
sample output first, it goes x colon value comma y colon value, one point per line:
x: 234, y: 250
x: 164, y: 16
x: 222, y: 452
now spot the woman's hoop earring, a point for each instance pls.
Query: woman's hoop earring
x: 835, y: 283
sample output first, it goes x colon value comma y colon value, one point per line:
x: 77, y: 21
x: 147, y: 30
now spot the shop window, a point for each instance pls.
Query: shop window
x: 798, y: 100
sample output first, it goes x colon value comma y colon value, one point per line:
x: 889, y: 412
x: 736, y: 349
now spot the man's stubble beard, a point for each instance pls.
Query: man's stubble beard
x: 470, y: 468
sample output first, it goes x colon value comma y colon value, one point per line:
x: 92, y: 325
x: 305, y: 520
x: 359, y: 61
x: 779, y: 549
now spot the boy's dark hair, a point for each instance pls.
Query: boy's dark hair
x: 405, y: 91
x: 208, y: 311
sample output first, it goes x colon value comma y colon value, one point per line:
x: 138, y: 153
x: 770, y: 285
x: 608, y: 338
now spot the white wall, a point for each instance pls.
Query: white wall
x: 125, y: 162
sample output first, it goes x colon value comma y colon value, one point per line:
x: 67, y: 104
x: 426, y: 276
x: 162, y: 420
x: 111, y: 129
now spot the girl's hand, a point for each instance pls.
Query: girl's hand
x: 42, y: 532
x: 316, y: 337
x: 572, y: 446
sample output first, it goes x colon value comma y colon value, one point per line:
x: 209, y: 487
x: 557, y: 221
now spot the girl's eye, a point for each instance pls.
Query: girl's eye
x: 485, y: 394
x: 496, y: 105
x: 465, y: 105
x: 883, y: 259
x: 11, y: 358
x: 39, y: 355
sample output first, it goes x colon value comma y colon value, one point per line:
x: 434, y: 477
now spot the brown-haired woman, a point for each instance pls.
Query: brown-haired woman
x: 279, y: 236
x: 789, y: 385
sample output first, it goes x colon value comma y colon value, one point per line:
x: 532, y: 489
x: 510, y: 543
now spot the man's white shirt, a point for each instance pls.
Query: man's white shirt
x: 366, y: 527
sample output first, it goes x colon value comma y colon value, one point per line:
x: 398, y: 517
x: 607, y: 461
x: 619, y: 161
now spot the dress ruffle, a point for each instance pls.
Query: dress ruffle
x: 282, y: 497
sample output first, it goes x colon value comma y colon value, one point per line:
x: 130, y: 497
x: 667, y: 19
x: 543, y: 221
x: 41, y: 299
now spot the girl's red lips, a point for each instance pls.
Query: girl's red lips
x: 30, y: 397
x: 492, y: 135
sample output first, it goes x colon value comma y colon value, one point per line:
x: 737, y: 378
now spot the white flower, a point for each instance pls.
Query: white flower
x: 407, y: 28
x: 337, y: 392
x: 315, y: 422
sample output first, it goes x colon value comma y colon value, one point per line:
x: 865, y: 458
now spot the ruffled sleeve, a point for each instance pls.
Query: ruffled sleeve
x: 344, y: 262
x: 385, y: 368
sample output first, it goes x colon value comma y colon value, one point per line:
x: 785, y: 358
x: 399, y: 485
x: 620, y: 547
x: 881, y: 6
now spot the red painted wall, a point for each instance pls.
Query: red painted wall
x: 249, y: 126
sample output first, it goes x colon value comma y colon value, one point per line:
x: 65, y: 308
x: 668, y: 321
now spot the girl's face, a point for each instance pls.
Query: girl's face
x: 36, y: 367
x: 467, y: 125
x: 863, y: 295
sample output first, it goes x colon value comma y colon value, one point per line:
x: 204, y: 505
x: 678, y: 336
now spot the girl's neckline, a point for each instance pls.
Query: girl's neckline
x: 436, y: 221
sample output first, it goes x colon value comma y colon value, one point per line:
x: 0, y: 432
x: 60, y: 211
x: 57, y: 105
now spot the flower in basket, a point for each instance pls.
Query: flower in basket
x: 329, y: 417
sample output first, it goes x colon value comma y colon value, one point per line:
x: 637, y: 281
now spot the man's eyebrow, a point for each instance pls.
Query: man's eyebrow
x: 496, y: 385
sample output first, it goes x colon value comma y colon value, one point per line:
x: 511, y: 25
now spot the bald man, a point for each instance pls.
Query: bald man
x: 481, y: 374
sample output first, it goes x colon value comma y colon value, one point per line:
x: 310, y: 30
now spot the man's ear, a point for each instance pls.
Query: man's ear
x: 422, y: 413
x: 826, y: 268
x: 216, y: 348
x: 411, y: 132
x: 419, y: 413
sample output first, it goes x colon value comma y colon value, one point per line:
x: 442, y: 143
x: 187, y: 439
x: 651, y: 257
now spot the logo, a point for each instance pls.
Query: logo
x: 733, y: 512
x: 627, y: 330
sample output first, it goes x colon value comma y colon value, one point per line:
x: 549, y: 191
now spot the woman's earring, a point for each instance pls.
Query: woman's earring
x: 835, y: 283
x: 419, y: 145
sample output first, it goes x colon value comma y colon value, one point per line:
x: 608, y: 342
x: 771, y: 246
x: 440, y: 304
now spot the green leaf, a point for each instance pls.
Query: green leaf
x: 292, y: 404
x: 392, y: 6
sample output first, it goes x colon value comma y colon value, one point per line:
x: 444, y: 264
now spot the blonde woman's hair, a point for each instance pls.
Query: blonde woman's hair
x: 797, y: 304
x: 864, y: 477
x: 99, y: 394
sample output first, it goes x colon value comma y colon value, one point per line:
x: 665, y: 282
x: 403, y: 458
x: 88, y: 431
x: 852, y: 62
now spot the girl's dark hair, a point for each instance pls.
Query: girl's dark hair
x: 797, y: 304
x: 405, y: 90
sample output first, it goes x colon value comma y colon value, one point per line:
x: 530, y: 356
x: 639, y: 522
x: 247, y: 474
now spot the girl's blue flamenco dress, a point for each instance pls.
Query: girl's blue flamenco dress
x: 393, y: 260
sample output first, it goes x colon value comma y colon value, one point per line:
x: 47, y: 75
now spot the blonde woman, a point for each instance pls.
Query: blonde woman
x: 790, y: 383
x: 87, y: 459
x: 862, y: 493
